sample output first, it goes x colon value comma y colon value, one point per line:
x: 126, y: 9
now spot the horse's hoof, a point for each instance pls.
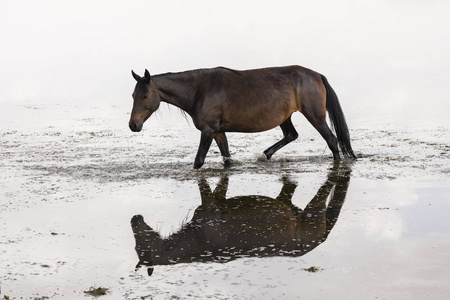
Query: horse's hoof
x: 197, y: 165
x: 227, y: 161
x: 268, y: 155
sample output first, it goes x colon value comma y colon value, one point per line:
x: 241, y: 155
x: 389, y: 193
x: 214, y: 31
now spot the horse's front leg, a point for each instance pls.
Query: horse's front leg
x: 205, y: 142
x: 222, y: 142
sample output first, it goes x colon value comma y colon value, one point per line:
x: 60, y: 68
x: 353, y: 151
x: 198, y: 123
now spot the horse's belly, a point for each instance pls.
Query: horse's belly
x: 254, y: 121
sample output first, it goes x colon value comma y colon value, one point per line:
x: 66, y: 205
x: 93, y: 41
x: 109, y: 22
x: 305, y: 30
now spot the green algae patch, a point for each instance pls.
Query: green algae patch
x: 97, y: 292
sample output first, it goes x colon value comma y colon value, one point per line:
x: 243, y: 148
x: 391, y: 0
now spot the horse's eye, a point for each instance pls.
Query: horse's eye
x: 145, y: 97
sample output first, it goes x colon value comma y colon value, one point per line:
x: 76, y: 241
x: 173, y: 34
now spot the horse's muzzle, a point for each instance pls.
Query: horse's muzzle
x: 135, y: 126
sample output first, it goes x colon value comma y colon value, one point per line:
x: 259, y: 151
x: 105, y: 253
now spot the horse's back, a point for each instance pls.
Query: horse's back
x: 256, y: 100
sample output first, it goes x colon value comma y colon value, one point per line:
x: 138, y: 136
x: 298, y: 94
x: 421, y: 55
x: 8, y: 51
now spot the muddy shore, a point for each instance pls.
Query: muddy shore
x: 71, y: 180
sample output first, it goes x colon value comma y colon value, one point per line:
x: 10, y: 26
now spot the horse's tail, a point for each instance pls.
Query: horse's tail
x: 337, y: 120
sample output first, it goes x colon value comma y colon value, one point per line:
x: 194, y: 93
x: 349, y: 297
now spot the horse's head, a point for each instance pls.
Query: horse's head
x: 148, y: 243
x: 146, y: 101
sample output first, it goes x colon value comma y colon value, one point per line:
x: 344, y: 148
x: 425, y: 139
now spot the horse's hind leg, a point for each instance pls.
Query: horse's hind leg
x: 222, y: 142
x: 330, y: 138
x: 285, y: 196
x: 319, y: 122
x: 289, y: 133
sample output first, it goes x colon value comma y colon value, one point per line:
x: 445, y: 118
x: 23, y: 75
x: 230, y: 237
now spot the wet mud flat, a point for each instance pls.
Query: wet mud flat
x: 74, y: 189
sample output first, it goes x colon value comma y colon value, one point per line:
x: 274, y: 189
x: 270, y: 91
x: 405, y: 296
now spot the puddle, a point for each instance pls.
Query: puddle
x: 297, y: 226
x: 224, y: 229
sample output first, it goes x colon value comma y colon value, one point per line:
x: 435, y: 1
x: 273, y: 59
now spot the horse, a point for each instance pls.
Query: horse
x: 221, y: 100
x: 224, y: 229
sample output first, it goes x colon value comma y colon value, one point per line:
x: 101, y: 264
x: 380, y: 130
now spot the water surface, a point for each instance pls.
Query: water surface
x: 71, y: 186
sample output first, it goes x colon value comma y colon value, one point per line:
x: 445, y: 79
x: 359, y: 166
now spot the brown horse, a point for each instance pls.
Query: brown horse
x: 223, y: 229
x: 221, y: 100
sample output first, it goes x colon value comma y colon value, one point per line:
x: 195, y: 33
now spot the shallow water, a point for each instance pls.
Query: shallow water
x: 72, y: 178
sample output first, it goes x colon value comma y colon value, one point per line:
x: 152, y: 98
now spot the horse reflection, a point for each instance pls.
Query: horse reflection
x: 224, y: 229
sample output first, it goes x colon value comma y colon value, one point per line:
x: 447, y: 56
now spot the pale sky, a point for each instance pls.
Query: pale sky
x: 371, y: 51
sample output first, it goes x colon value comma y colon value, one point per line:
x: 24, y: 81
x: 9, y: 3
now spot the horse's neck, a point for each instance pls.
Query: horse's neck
x: 177, y: 89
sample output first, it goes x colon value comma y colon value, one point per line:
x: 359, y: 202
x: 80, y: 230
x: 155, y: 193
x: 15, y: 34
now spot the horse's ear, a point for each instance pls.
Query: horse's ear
x: 147, y: 76
x: 135, y: 76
